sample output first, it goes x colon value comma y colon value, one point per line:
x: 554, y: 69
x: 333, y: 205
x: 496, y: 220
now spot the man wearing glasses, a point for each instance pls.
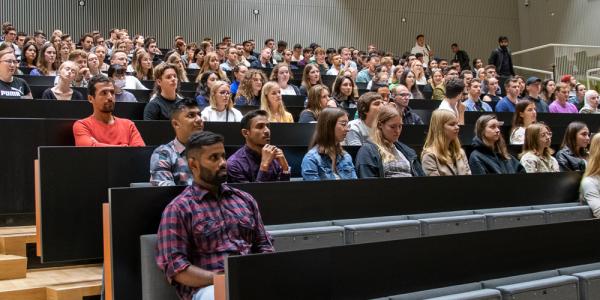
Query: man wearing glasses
x: 401, y: 97
x: 10, y: 38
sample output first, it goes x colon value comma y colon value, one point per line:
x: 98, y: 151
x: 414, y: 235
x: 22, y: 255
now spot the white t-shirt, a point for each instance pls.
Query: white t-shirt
x: 446, y: 106
x: 208, y: 114
x: 289, y: 90
x: 132, y: 83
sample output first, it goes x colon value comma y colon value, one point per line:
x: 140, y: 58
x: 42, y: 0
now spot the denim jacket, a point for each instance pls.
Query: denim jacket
x: 316, y: 166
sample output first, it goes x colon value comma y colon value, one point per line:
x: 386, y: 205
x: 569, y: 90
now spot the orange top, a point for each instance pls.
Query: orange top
x: 90, y: 132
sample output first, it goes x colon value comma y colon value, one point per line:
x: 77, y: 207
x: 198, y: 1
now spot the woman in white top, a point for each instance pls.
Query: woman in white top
x: 524, y: 116
x: 591, y: 103
x: 417, y: 68
x: 537, y: 154
x: 221, y: 106
x: 281, y: 74
x: 590, y: 184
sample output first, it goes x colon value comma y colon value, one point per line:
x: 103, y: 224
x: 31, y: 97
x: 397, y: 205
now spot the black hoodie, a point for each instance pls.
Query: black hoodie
x: 484, y: 160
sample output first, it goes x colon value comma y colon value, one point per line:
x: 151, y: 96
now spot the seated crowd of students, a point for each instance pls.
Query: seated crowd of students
x: 196, y: 158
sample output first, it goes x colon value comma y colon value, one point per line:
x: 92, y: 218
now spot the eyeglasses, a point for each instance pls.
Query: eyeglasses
x: 343, y: 123
x: 224, y: 93
x: 403, y: 95
x: 10, y: 62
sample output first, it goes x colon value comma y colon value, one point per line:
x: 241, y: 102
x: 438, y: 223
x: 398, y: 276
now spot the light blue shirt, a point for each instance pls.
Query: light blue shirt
x: 316, y: 166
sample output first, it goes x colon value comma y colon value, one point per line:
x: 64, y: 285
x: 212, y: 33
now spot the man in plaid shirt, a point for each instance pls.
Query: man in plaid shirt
x: 207, y: 222
x: 168, y: 163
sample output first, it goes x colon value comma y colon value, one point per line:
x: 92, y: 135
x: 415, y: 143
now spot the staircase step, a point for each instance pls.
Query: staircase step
x: 12, y: 266
x: 56, y: 282
x: 73, y: 291
x: 13, y: 240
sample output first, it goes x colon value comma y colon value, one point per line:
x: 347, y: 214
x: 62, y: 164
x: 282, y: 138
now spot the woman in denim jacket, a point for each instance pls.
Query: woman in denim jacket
x: 326, y: 158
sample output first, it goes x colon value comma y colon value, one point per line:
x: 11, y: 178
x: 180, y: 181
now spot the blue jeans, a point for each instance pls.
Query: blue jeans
x: 206, y: 293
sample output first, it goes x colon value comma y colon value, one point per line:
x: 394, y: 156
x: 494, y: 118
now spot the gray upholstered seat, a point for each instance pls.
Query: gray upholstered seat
x: 567, y: 214
x: 344, y: 222
x: 382, y: 231
x: 561, y: 287
x: 307, y: 238
x: 440, y: 214
x: 140, y: 184
x: 493, y: 283
x: 501, y: 209
x: 298, y: 225
x: 555, y: 205
x: 514, y: 219
x: 589, y: 284
x: 444, y: 291
x: 579, y: 268
x: 485, y: 294
x: 451, y: 225
x: 154, y: 282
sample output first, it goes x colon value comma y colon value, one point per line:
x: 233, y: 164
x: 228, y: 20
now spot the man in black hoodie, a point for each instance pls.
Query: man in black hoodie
x: 502, y: 59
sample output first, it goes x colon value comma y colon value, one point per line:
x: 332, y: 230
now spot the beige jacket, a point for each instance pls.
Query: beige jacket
x: 433, y: 167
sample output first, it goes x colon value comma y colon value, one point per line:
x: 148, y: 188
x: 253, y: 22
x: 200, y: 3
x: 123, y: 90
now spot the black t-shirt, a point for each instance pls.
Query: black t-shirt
x: 159, y: 108
x: 49, y: 95
x: 15, y: 89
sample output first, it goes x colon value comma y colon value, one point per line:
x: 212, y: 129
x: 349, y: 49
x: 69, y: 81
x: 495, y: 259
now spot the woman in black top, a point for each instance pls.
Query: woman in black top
x: 490, y: 155
x: 62, y: 90
x: 574, y: 149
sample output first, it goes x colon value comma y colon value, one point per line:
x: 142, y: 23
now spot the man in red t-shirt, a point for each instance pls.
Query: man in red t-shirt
x: 102, y: 129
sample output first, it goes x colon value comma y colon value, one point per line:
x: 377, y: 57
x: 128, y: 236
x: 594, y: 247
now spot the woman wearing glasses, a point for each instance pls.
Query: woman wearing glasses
x: 537, y: 154
x: 10, y: 86
x: 326, y: 159
x: 221, y: 107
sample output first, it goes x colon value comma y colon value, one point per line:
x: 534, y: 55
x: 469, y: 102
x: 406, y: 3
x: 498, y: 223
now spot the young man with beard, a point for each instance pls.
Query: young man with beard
x: 257, y: 161
x: 102, y: 129
x: 168, y: 163
x: 401, y: 97
x: 207, y: 222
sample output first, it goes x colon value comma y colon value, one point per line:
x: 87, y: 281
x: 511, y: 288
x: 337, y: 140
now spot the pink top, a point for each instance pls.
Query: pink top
x: 568, y: 108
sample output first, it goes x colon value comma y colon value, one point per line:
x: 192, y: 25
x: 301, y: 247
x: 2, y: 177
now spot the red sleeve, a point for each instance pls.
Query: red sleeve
x: 135, y: 139
x: 83, y: 136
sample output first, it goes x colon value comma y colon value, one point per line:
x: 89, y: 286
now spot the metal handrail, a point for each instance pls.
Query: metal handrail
x: 551, y: 45
x: 535, y: 70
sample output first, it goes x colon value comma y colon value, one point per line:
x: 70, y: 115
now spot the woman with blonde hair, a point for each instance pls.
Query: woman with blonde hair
x: 589, y: 191
x: 537, y: 154
x: 248, y: 92
x: 221, y: 107
x: 143, y: 67
x: 211, y: 63
x: 272, y: 102
x: 383, y: 155
x: 175, y: 59
x: 442, y: 154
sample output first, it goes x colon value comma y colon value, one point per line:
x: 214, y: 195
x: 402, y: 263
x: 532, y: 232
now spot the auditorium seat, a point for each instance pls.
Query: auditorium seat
x: 140, y: 184
x: 439, y: 292
x: 154, y: 282
x: 452, y: 225
x: 496, y: 282
x: 382, y: 231
x: 307, y: 238
x: 449, y: 222
x: 485, y: 294
x: 514, y: 219
x: 589, y: 279
x: 555, y: 288
x: 566, y: 214
x: 589, y: 284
